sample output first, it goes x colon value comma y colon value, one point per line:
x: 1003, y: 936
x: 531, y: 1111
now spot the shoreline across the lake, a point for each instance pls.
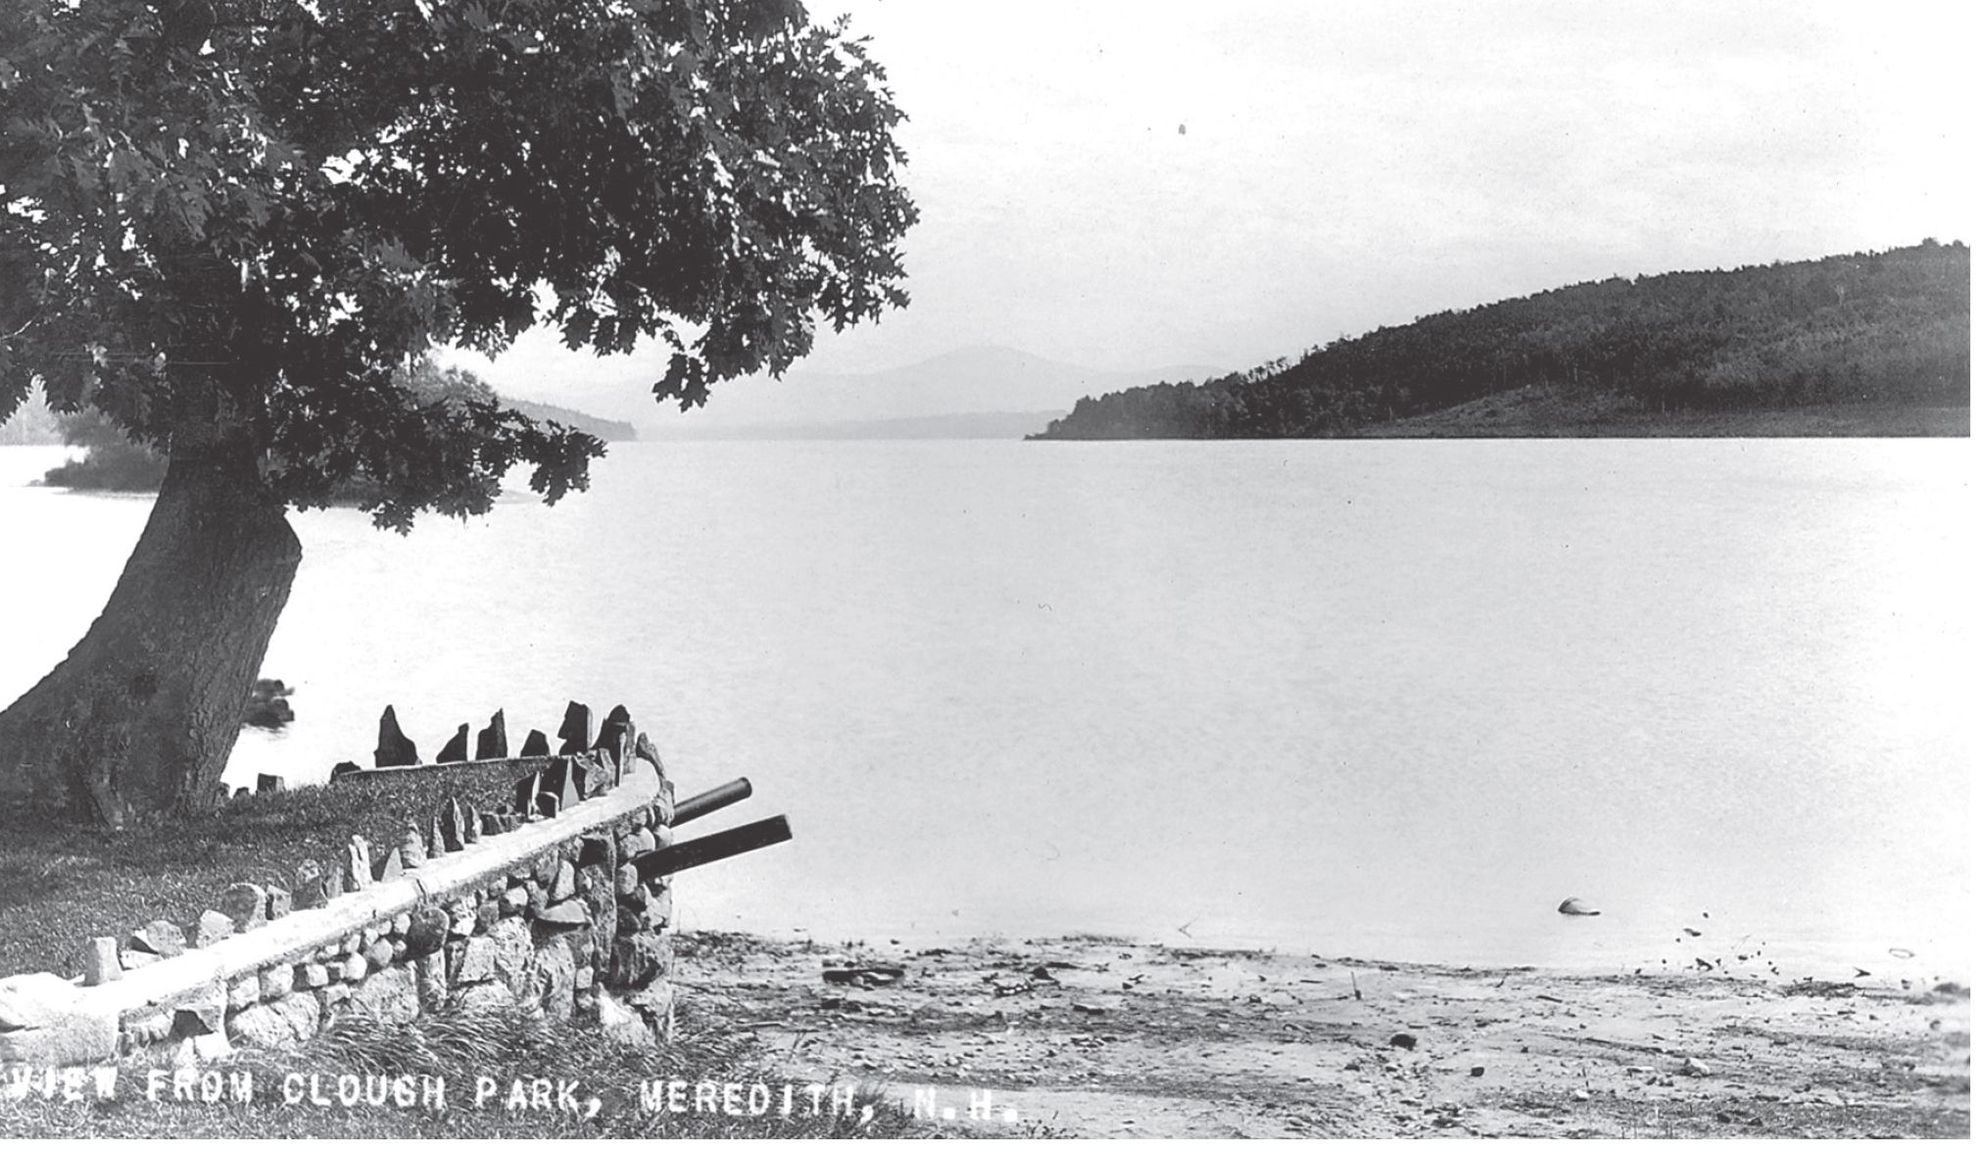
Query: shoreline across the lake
x: 1093, y: 1036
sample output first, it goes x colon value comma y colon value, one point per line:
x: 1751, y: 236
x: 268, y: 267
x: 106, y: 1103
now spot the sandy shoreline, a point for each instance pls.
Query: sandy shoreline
x: 1095, y: 1036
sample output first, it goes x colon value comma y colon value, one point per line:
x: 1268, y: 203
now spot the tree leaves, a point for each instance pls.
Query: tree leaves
x: 258, y: 213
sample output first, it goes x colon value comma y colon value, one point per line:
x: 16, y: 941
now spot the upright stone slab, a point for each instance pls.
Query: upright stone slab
x: 535, y: 745
x: 389, y: 866
x: 246, y: 905
x: 413, y: 847
x: 448, y: 828
x: 394, y: 747
x: 100, y: 962
x: 268, y: 783
x: 357, y: 864
x: 645, y: 750
x: 566, y: 780
x: 527, y: 789
x: 623, y: 759
x: 576, y: 732
x: 310, y: 890
x: 471, y: 824
x: 617, y: 722
x: 457, y: 747
x: 492, y: 742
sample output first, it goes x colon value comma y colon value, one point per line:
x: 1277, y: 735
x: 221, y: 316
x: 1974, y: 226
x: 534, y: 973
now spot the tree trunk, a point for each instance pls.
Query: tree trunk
x: 138, y: 721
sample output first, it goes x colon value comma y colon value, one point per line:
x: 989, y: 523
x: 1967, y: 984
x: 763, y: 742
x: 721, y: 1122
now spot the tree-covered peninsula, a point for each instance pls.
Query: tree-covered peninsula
x: 1679, y: 352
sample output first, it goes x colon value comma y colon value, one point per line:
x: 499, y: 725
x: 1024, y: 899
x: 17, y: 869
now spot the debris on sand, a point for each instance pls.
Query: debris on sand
x: 868, y: 976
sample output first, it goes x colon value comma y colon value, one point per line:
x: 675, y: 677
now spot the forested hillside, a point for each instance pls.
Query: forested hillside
x: 1889, y: 327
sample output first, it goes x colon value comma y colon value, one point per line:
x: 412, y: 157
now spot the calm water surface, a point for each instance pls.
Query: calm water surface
x: 1392, y: 699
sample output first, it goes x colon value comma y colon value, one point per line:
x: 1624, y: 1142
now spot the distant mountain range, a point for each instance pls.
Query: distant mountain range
x: 34, y: 424
x: 600, y: 427
x: 984, y: 391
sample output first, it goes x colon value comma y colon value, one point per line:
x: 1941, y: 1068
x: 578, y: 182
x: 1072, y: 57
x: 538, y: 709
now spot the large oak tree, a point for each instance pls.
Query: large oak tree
x: 227, y: 225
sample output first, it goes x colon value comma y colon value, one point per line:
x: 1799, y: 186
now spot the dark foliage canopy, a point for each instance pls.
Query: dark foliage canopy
x: 236, y: 221
x: 1887, y: 326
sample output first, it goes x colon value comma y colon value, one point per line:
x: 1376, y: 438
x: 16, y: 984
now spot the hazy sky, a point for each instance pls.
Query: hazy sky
x: 1133, y: 185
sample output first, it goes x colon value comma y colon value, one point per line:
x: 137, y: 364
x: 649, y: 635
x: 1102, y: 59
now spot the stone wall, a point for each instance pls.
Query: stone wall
x: 537, y: 906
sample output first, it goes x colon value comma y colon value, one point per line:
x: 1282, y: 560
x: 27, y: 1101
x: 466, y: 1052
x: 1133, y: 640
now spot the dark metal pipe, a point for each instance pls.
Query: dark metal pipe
x: 717, y: 846
x: 711, y: 800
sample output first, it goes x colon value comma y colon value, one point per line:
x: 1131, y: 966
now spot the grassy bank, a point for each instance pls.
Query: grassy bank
x: 62, y: 884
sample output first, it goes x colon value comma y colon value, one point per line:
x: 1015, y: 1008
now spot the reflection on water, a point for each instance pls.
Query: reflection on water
x: 1383, y: 698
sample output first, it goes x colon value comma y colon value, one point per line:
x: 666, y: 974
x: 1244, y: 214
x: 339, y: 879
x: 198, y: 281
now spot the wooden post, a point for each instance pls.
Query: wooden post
x: 704, y: 850
x: 711, y: 800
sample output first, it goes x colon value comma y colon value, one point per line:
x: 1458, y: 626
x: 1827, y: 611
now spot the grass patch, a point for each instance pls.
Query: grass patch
x: 62, y: 884
x: 507, y: 1048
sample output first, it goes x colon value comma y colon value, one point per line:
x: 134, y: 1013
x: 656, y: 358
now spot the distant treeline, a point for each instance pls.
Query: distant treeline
x: 117, y: 463
x: 1870, y: 327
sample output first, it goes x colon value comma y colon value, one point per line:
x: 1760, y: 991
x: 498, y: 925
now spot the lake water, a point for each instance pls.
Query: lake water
x: 1376, y: 698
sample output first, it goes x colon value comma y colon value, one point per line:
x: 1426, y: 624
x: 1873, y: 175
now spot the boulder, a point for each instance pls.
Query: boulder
x: 279, y: 903
x: 622, y: 1025
x: 244, y: 991
x: 567, y: 915
x: 564, y: 883
x: 389, y: 996
x: 277, y: 982
x: 426, y: 931
x: 44, y: 1022
x: 478, y: 962
x: 211, y: 926
x: 281, y: 1024
x: 552, y: 975
x: 201, y: 1011
x: 485, y: 997
x: 638, y: 959
x: 310, y: 890
x: 513, y: 954
x: 1576, y: 907
x: 160, y: 938
x: 430, y: 982
x: 535, y: 745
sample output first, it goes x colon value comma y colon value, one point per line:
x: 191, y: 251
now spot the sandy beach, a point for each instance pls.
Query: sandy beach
x: 1099, y: 1037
